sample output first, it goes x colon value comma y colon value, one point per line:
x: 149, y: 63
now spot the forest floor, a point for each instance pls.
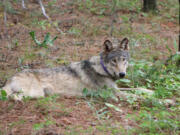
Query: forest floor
x: 86, y: 25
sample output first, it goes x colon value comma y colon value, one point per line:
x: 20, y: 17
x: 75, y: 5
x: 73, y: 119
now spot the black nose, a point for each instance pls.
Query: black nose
x: 122, y: 74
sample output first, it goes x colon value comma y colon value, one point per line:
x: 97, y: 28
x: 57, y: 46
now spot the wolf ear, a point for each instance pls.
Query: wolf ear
x: 107, y: 46
x: 124, y: 44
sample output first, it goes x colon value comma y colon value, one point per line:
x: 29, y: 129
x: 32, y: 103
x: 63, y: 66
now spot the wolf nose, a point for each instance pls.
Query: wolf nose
x: 122, y: 74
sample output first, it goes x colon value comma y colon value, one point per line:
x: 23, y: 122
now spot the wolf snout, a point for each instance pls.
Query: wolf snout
x: 122, y: 74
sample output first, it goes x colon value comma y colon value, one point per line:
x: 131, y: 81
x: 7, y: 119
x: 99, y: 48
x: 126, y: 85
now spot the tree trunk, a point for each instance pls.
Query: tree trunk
x: 149, y: 5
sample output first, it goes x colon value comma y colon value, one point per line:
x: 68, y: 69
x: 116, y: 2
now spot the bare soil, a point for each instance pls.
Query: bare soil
x: 19, y: 118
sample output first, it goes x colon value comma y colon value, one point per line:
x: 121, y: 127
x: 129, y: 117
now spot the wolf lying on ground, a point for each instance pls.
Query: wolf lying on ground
x: 93, y: 74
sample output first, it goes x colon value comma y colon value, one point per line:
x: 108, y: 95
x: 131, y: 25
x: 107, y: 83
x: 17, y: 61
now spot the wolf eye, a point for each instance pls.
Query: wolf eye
x: 113, y: 61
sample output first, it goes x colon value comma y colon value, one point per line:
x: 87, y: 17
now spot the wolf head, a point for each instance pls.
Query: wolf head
x: 114, y: 58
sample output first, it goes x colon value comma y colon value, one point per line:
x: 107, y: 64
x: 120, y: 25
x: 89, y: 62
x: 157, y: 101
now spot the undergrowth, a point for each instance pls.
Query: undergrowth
x: 164, y: 78
x: 151, y: 116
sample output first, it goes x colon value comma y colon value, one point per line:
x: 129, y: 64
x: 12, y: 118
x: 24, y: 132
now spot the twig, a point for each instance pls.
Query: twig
x: 47, y: 17
x: 23, y: 4
x: 124, y: 95
x: 139, y: 89
x: 43, y: 9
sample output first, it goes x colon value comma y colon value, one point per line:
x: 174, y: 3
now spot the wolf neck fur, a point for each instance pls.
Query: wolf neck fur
x: 93, y: 70
x: 95, y: 60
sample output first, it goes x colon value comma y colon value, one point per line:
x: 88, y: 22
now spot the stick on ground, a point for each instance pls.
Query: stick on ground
x: 47, y: 17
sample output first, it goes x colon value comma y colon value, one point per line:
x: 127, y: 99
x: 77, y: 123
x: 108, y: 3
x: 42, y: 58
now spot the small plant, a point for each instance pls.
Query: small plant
x: 46, y: 101
x: 156, y: 122
x: 75, y: 31
x: 3, y: 95
x: 163, y: 78
x: 39, y: 126
x: 42, y: 24
x: 47, y: 40
x: 124, y: 82
x: 104, y: 94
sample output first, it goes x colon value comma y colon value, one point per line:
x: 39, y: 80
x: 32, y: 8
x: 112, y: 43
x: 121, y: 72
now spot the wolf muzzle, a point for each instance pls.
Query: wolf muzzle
x: 122, y: 74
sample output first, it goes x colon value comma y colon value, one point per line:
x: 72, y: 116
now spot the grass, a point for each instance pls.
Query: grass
x: 39, y: 126
x: 156, y: 121
x: 155, y: 118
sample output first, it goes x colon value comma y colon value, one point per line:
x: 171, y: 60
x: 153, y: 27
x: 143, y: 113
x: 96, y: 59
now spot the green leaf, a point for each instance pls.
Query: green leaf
x: 3, y: 95
x: 32, y: 34
x: 175, y: 45
x: 85, y: 92
x: 124, y: 80
x: 38, y: 126
x: 47, y: 40
x: 169, y: 49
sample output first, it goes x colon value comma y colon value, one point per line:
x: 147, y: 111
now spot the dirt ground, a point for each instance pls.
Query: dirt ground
x: 69, y: 115
x: 86, y: 32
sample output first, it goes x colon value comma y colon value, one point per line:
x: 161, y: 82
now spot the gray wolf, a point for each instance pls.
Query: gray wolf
x: 93, y: 74
x: 97, y: 72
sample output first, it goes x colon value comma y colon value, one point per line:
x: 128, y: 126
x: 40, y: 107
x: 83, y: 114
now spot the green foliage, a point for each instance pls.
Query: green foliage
x: 124, y: 82
x: 156, y: 121
x: 102, y: 7
x: 167, y: 10
x: 105, y: 94
x: 8, y: 6
x: 17, y: 123
x: 95, y: 7
x: 45, y: 101
x: 47, y: 40
x: 52, y: 2
x: 3, y: 95
x: 74, y: 31
x: 42, y: 24
x: 163, y: 78
x: 41, y: 125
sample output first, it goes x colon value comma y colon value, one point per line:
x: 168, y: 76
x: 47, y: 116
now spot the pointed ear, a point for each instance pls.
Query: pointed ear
x: 124, y: 44
x: 107, y: 46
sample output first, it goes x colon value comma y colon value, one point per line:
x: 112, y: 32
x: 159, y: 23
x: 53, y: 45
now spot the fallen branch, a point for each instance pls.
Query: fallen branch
x: 139, y: 89
x: 23, y: 4
x: 125, y: 96
x: 47, y: 17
